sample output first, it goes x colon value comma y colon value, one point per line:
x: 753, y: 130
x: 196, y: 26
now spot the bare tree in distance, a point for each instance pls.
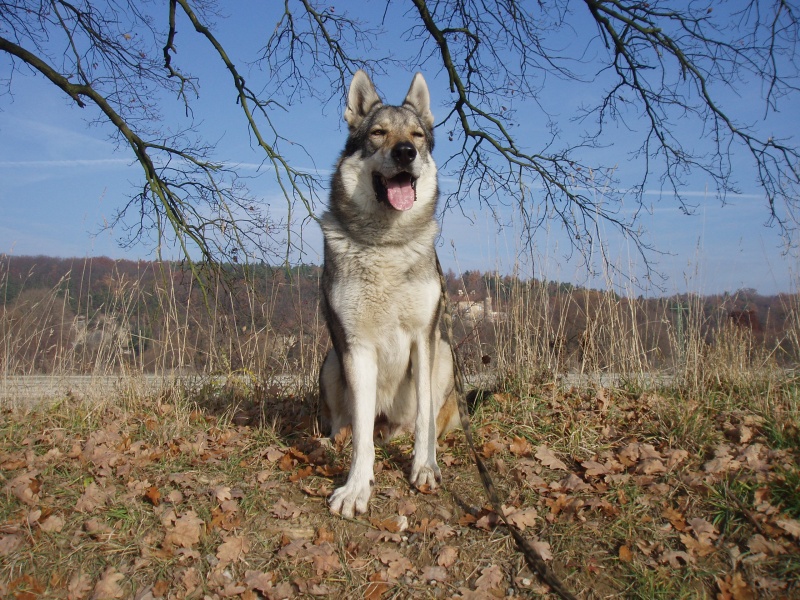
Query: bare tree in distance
x: 651, y: 67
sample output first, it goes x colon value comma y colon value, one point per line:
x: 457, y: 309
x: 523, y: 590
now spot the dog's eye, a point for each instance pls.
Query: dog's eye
x: 418, y: 134
x: 378, y: 132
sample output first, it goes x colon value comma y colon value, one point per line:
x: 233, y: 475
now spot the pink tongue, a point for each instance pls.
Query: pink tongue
x: 400, y: 193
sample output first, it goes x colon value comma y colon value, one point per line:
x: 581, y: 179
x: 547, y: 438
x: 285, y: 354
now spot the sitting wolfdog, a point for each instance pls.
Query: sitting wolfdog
x: 381, y: 289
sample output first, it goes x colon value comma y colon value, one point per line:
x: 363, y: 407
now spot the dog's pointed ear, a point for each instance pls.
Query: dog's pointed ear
x: 361, y: 99
x: 419, y: 99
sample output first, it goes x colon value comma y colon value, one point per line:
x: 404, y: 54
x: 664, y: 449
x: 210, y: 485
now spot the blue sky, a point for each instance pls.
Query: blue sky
x: 61, y: 180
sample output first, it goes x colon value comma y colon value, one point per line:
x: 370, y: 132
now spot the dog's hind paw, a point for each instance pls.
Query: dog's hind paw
x: 350, y: 499
x: 428, y: 476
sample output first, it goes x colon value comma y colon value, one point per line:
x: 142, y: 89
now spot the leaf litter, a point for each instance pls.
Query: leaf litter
x: 96, y: 505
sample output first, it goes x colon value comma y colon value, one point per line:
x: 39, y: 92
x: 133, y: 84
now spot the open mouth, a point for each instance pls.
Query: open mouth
x: 399, y: 192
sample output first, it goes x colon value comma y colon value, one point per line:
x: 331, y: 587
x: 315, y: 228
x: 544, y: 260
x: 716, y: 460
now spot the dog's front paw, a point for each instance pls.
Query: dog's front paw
x: 427, y: 475
x: 350, y: 499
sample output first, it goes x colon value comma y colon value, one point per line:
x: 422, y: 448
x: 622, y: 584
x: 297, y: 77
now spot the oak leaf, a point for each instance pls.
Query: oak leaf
x: 185, y: 533
x: 107, y: 587
x: 9, y: 543
x: 491, y: 577
x: 758, y: 544
x: 233, y: 549
x: 25, y: 487
x: 549, y: 459
x: 78, y: 586
x: 523, y: 518
x: 625, y: 554
x: 283, y: 509
x: 92, y: 498
x: 520, y: 447
x: 52, y: 524
x: 259, y: 580
x: 434, y: 573
x: 790, y: 526
x: 447, y: 556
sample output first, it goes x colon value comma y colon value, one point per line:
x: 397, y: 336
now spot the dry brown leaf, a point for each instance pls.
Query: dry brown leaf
x: 651, y: 466
x: 734, y: 588
x: 523, y: 518
x: 222, y: 493
x: 676, y: 558
x: 10, y: 543
x: 324, y: 558
x: 549, y: 459
x: 701, y: 547
x: 543, y: 548
x: 625, y: 554
x: 153, y: 496
x: 323, y: 535
x: 520, y: 447
x: 395, y: 524
x: 758, y: 544
x: 594, y: 468
x: 306, y: 471
x: 25, y: 487
x: 377, y: 587
x: 447, y: 556
x: 233, y: 549
x: 790, y: 526
x: 492, y: 577
x: 259, y: 580
x: 283, y: 509
x: 108, y: 588
x: 406, y: 507
x: 52, y: 524
x: 92, y: 498
x: 186, y: 531
x: 79, y: 586
x: 674, y: 517
x: 675, y: 457
x: 434, y: 573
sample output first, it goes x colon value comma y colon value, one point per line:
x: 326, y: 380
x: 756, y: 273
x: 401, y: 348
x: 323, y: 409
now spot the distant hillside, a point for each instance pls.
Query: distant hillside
x: 88, y: 314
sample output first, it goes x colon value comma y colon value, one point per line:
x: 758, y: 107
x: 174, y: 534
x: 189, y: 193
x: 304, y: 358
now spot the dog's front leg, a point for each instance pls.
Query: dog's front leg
x: 361, y: 374
x: 424, y: 470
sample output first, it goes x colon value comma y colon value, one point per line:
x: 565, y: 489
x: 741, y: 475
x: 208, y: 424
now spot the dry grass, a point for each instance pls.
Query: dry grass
x: 214, y: 485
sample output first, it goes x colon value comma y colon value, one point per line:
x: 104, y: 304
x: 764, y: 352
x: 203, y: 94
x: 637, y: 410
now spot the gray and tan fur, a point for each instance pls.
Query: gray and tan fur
x: 381, y: 289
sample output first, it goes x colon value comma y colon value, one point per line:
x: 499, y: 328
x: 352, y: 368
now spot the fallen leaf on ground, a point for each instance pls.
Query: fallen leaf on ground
x: 108, y: 588
x: 447, y: 556
x: 233, y: 549
x: 52, y: 524
x: 434, y: 573
x: 92, y: 498
x: 283, y: 509
x: 185, y: 533
x: 549, y: 459
x: 520, y: 447
x: 79, y: 585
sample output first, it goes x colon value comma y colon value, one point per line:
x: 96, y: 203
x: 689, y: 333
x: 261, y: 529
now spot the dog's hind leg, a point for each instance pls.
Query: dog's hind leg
x: 335, y: 413
x: 361, y: 373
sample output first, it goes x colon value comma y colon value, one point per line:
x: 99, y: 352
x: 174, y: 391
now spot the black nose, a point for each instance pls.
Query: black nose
x: 403, y: 153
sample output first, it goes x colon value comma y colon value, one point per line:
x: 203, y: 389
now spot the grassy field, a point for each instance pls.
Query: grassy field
x: 682, y: 486
x: 219, y: 492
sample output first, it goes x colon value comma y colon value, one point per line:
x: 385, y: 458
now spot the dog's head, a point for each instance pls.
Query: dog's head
x: 392, y: 144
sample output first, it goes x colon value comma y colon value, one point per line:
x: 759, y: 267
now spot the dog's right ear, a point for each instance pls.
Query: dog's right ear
x: 361, y: 99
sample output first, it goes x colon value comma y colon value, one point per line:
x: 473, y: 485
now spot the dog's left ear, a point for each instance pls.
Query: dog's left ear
x: 419, y: 99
